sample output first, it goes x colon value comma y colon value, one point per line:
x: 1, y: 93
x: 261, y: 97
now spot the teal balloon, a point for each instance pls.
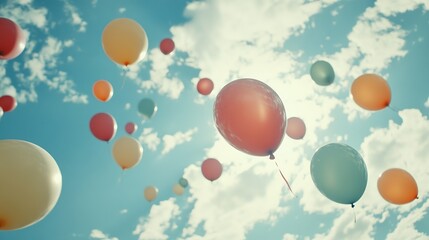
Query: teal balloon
x: 339, y: 172
x: 322, y: 73
x: 147, y: 108
x: 183, y: 182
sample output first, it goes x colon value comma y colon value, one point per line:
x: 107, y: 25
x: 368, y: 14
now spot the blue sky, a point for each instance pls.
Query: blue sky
x: 273, y: 41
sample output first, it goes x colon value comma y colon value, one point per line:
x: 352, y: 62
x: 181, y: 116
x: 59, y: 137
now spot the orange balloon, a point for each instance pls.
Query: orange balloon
x: 102, y: 90
x: 371, y: 92
x: 397, y: 186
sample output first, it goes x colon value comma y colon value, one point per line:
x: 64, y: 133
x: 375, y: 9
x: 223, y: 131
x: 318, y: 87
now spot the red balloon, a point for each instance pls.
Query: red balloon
x: 211, y: 169
x: 103, y: 126
x: 295, y: 128
x: 12, y: 41
x: 205, y: 86
x: 7, y: 103
x: 166, y: 46
x: 130, y: 127
x: 250, y: 116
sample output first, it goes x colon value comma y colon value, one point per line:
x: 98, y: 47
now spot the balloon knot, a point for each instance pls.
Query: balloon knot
x: 2, y: 223
x: 417, y: 197
x: 272, y: 156
x: 353, y: 206
x: 1, y: 53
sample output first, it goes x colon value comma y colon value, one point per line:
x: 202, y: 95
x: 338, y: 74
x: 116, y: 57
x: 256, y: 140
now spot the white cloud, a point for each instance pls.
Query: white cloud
x: 25, y: 14
x: 150, y: 138
x: 171, y: 141
x: 122, y: 10
x: 393, y: 7
x: 68, y: 43
x: 76, y: 19
x: 123, y: 211
x: 427, y: 103
x: 97, y: 234
x: 158, y: 220
x: 127, y: 106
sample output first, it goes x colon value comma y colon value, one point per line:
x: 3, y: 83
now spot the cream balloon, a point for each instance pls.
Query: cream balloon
x: 150, y: 193
x: 178, y: 189
x: 30, y: 184
x: 127, y: 152
x: 124, y: 41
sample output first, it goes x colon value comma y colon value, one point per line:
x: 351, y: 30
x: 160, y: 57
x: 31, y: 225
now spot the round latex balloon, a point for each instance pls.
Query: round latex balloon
x: 183, y: 182
x: 211, y: 169
x: 166, y: 46
x: 103, y: 126
x: 322, y: 73
x: 8, y: 103
x: 250, y: 116
x: 177, y: 189
x: 124, y: 41
x: 371, y: 92
x: 127, y: 152
x: 12, y: 41
x: 205, y: 86
x: 150, y: 193
x: 30, y: 184
x: 339, y: 172
x: 147, y: 108
x: 130, y: 127
x: 295, y: 128
x: 397, y: 186
x: 102, y: 90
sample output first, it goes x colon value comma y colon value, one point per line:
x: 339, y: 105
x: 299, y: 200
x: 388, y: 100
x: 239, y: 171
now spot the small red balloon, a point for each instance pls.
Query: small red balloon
x: 250, y: 116
x: 12, y: 41
x: 205, y: 86
x: 130, y: 127
x: 211, y: 169
x: 8, y: 103
x: 103, y: 126
x: 295, y: 128
x: 166, y: 46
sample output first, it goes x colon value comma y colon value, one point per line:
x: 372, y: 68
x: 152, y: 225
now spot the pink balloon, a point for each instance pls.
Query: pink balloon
x: 103, y: 126
x: 130, y: 127
x: 205, y: 86
x: 166, y: 46
x: 8, y: 103
x: 250, y: 116
x: 295, y: 128
x: 12, y: 41
x: 211, y: 169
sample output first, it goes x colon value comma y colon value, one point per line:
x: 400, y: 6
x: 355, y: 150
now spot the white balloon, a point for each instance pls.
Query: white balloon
x: 30, y: 184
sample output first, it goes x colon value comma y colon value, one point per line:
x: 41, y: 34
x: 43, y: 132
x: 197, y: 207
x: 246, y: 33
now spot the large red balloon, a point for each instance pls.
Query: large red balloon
x: 166, y: 46
x: 12, y: 40
x: 205, y: 86
x: 103, y: 126
x: 211, y: 169
x: 250, y: 116
x: 7, y: 103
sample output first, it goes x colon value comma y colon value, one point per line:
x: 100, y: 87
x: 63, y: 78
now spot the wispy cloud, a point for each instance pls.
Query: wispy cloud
x: 122, y: 10
x: 98, y: 234
x: 171, y: 141
x: 150, y: 138
x: 75, y: 17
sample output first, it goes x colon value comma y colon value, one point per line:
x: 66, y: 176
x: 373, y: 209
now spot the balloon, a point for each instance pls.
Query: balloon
x: 147, y: 108
x: 1, y: 112
x: 183, y: 182
x: 150, y: 193
x: 250, y: 116
x: 339, y: 172
x: 103, y: 126
x: 130, y: 127
x: 322, y: 73
x: 295, y: 128
x: 127, y: 152
x: 166, y: 46
x: 205, y: 86
x: 124, y: 41
x: 12, y: 41
x: 177, y: 189
x: 8, y: 103
x: 397, y: 186
x: 211, y: 169
x: 30, y: 184
x: 102, y: 90
x: 371, y: 92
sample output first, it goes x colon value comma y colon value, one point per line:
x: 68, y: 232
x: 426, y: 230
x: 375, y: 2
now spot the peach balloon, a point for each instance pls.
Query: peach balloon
x: 150, y: 193
x: 205, y: 86
x: 127, y: 152
x: 102, y: 90
x: 397, y: 186
x: 295, y: 128
x: 371, y: 92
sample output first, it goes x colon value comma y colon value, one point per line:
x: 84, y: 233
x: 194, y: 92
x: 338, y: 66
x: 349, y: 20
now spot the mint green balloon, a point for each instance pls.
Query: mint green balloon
x: 147, y: 108
x: 339, y: 172
x: 322, y: 73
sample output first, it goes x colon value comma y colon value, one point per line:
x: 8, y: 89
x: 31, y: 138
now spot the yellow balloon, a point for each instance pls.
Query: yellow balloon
x: 30, y: 184
x: 178, y: 189
x: 124, y: 41
x: 150, y: 193
x: 127, y: 152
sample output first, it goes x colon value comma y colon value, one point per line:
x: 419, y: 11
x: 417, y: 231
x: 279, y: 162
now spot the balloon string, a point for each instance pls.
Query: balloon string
x: 354, y: 213
x: 120, y: 176
x: 124, y: 71
x: 281, y: 173
x: 393, y: 108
